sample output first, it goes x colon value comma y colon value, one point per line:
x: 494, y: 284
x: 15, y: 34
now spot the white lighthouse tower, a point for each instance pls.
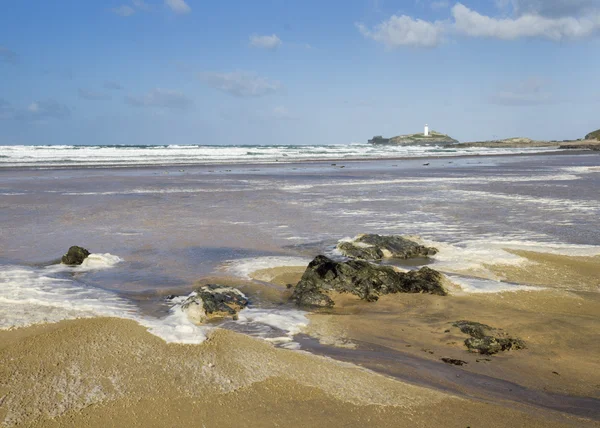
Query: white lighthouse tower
x: 426, y: 131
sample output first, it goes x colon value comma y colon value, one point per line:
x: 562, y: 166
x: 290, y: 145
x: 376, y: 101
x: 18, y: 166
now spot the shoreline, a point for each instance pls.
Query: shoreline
x: 555, y: 152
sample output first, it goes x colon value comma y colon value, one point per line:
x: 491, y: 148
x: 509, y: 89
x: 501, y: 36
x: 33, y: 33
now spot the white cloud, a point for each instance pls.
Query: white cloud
x: 7, y: 55
x: 123, y: 10
x: 92, y: 95
x: 161, y: 98
x: 240, y: 84
x: 403, y: 30
x: 178, y: 6
x: 533, y: 91
x: 474, y: 24
x: 271, y: 42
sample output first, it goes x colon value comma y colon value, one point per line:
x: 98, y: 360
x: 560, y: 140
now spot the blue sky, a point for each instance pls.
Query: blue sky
x: 295, y: 72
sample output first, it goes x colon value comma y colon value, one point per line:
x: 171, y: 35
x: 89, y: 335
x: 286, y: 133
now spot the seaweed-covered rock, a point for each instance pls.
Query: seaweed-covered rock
x: 361, y: 278
x: 75, y: 256
x: 489, y: 345
x: 473, y: 329
x: 363, y: 252
x: 214, y: 301
x: 487, y: 340
x: 376, y: 247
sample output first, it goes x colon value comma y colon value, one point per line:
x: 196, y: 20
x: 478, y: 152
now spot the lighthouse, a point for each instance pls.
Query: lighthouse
x: 426, y: 131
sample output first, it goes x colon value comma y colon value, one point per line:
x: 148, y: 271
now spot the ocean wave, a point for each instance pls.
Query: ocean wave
x: 174, y: 154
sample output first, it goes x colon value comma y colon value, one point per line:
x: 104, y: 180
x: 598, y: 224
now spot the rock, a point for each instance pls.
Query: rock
x: 214, y: 301
x: 454, y: 361
x: 490, y: 345
x: 75, y: 256
x: 361, y: 278
x: 376, y: 247
x: 487, y: 340
x: 473, y: 329
x: 354, y: 251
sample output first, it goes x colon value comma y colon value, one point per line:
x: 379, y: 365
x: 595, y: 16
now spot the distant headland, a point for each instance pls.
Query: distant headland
x: 591, y: 141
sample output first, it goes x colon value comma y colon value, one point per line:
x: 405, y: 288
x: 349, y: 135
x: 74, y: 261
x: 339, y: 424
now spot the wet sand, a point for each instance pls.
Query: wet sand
x: 560, y: 326
x: 109, y: 372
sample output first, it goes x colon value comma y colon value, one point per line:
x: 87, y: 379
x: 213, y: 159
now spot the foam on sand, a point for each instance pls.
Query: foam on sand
x: 287, y: 321
x: 482, y: 286
x: 41, y: 295
x: 244, y: 268
x: 475, y: 257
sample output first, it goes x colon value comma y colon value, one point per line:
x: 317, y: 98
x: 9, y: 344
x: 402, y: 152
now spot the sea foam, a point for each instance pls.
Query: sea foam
x: 31, y: 296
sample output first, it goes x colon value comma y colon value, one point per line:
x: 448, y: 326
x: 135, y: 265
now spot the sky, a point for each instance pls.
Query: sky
x: 296, y: 72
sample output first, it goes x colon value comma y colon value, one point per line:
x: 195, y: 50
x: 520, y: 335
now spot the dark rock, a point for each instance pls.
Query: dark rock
x: 376, y: 247
x: 349, y: 249
x: 214, y: 301
x: 473, y: 329
x: 490, y: 345
x: 361, y: 278
x: 454, y: 361
x: 487, y: 340
x: 75, y: 256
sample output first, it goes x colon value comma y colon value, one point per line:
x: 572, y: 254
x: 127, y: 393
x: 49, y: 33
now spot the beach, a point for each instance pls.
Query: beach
x: 106, y: 344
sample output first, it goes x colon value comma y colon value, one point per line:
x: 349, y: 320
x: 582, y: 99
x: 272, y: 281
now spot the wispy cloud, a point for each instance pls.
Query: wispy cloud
x: 7, y: 55
x: 551, y: 8
x: 271, y: 42
x: 92, y: 95
x: 161, y: 98
x: 36, y: 111
x: 126, y: 10
x: 112, y: 85
x: 532, y: 91
x: 281, y: 113
x: 141, y: 4
x: 123, y: 10
x: 440, y: 4
x: 241, y: 84
x: 178, y: 6
x: 401, y: 31
x: 474, y: 24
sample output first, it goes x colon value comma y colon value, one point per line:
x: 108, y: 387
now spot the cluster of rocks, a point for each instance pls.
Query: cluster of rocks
x: 360, y: 278
x: 366, y: 280
x: 377, y: 247
x: 487, y: 340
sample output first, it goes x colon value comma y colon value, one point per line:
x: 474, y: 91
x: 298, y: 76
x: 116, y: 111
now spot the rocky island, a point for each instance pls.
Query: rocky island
x: 430, y: 138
